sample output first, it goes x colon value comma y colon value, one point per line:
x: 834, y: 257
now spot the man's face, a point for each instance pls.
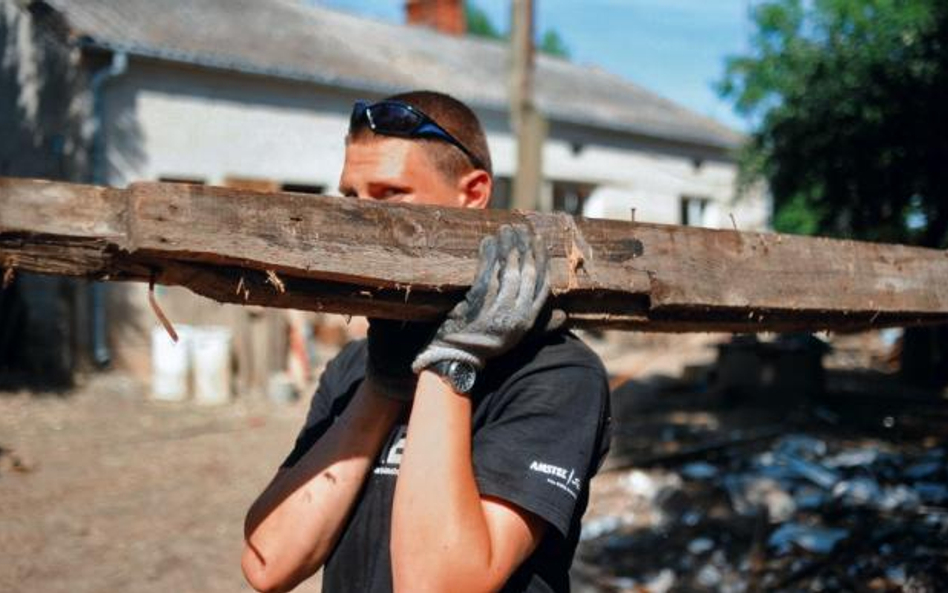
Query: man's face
x: 396, y: 170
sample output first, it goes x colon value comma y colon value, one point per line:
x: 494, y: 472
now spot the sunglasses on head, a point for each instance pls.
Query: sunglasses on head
x: 394, y: 118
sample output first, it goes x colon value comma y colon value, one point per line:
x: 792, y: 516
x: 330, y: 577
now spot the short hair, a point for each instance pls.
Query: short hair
x: 457, y: 119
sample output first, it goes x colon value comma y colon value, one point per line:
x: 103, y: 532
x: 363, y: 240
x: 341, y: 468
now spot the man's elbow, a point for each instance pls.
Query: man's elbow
x: 255, y: 571
x: 263, y: 576
x: 472, y: 585
x: 458, y: 577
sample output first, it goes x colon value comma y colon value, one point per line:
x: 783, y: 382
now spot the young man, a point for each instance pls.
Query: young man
x: 448, y: 456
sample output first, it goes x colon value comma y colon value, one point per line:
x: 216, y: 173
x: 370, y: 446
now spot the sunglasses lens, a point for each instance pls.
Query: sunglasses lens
x: 393, y: 118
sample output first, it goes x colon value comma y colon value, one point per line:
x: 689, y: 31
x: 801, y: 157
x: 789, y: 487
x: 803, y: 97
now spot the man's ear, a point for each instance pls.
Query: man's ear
x: 474, y: 189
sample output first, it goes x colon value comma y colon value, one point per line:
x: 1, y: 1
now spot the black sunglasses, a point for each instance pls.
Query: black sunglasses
x: 394, y: 118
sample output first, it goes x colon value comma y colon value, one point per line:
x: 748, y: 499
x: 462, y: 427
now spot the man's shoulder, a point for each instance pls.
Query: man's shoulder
x: 344, y: 369
x: 352, y: 356
x: 545, y: 357
x: 561, y: 349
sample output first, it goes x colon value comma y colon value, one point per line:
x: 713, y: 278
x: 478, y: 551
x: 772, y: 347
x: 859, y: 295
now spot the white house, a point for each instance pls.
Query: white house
x: 257, y: 93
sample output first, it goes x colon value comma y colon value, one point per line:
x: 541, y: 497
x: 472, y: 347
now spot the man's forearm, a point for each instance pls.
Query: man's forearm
x: 441, y: 533
x: 437, y: 513
x: 295, y: 523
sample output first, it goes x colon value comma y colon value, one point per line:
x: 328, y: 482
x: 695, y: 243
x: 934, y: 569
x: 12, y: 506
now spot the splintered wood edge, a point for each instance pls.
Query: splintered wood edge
x: 606, y: 273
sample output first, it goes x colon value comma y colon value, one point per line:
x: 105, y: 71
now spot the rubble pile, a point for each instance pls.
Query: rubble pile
x: 797, y: 512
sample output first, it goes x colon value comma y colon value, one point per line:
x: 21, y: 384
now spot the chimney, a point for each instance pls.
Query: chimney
x: 446, y: 16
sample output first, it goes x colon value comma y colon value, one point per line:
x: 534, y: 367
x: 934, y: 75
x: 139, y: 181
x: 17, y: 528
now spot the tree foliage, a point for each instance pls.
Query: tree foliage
x: 552, y: 44
x: 851, y: 100
x: 480, y: 25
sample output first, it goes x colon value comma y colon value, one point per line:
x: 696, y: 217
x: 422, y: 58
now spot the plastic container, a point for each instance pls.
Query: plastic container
x: 280, y: 388
x: 211, y: 359
x: 170, y: 363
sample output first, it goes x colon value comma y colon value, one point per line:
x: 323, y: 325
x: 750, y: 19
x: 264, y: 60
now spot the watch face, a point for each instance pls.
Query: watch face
x: 462, y: 376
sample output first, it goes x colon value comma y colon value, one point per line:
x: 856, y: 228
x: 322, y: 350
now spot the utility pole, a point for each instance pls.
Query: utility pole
x: 526, y: 121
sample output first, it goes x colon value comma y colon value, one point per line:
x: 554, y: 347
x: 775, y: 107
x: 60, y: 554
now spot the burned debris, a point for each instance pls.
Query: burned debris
x: 828, y: 493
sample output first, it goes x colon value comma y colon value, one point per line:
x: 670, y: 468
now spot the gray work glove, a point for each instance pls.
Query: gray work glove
x: 392, y: 346
x: 509, y: 290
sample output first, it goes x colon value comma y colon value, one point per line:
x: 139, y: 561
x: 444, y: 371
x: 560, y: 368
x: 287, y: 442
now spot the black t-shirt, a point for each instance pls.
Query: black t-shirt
x: 540, y: 430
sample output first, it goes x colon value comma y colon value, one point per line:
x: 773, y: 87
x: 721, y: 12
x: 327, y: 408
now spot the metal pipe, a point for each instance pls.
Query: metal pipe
x: 101, y: 354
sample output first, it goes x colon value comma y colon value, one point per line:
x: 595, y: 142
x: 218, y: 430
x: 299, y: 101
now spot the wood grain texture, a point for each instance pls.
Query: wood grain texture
x: 411, y: 262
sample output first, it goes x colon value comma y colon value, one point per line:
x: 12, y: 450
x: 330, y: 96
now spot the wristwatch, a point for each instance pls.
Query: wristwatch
x: 460, y: 375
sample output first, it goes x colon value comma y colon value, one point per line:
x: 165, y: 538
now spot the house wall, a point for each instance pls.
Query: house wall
x: 635, y: 172
x: 176, y: 122
x: 654, y: 182
x: 172, y: 121
x: 167, y: 121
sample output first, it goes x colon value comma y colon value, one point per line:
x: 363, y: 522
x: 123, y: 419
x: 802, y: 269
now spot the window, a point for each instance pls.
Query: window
x: 184, y: 180
x: 570, y: 196
x: 694, y: 211
x: 303, y: 188
x: 502, y: 193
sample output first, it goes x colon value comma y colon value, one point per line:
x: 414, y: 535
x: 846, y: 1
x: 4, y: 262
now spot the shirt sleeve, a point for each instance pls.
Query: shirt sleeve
x: 336, y: 387
x: 542, y: 446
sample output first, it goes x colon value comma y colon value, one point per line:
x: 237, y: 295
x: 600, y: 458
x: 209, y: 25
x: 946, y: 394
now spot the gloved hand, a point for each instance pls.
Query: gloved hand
x: 393, y: 345
x: 501, y: 306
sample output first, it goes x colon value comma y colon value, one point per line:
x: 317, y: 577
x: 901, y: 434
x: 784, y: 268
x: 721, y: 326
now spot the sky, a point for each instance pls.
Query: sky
x: 675, y: 48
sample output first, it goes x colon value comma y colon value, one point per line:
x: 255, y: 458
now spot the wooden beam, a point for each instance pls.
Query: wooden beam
x: 413, y: 262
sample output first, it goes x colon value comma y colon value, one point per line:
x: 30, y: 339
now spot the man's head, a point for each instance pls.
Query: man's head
x: 444, y: 162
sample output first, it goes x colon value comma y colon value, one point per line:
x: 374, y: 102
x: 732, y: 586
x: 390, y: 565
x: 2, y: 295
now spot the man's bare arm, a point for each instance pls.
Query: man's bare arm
x: 297, y: 520
x: 445, y: 535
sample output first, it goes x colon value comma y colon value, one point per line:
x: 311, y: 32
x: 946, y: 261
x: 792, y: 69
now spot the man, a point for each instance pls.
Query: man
x: 452, y: 456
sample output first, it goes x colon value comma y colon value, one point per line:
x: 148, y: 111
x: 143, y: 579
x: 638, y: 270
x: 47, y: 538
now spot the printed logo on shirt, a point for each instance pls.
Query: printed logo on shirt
x: 391, y: 458
x: 562, y: 478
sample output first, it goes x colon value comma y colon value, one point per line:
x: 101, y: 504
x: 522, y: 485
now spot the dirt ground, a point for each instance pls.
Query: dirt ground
x: 104, y: 490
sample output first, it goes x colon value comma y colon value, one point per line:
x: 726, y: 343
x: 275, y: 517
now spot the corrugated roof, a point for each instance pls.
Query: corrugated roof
x: 289, y: 39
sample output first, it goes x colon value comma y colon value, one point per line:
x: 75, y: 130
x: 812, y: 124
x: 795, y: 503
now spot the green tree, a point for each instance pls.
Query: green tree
x: 480, y: 25
x: 552, y: 44
x: 851, y: 103
x: 851, y: 100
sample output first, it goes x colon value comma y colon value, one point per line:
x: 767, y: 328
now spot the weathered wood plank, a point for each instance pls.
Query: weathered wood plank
x: 402, y: 261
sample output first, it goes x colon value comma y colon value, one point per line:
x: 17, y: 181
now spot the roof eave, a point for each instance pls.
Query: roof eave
x: 357, y: 85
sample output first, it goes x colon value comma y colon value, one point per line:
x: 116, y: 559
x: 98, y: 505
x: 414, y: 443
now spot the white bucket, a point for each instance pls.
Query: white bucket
x: 210, y: 351
x: 170, y: 362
